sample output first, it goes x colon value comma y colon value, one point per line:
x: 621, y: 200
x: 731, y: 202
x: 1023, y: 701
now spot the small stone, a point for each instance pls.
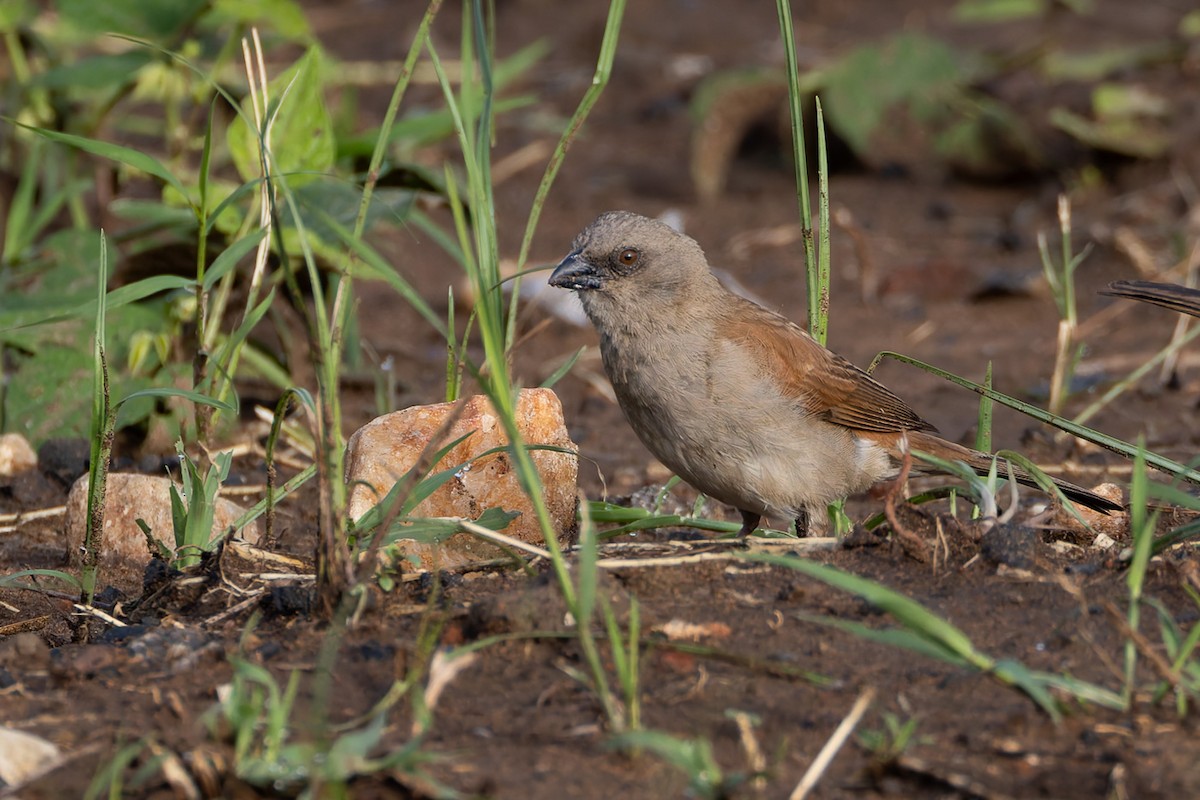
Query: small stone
x: 384, y: 449
x: 65, y: 459
x: 16, y: 456
x: 1110, y: 527
x: 129, y: 497
x: 24, y: 756
x: 1011, y: 545
x: 24, y: 651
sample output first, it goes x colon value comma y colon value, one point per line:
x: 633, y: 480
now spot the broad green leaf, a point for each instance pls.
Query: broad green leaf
x: 1128, y: 136
x: 35, y: 403
x: 911, y: 69
x: 1097, y: 63
x: 1189, y: 26
x: 94, y: 72
x: 281, y: 16
x: 301, y: 133
x: 132, y: 293
x: 15, y: 13
x: 991, y: 141
x: 992, y: 11
x: 152, y: 20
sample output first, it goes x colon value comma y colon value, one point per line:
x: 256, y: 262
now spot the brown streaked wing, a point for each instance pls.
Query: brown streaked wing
x: 827, y: 384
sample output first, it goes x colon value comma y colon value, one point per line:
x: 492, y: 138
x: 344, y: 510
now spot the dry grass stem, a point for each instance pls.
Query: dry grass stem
x: 831, y: 748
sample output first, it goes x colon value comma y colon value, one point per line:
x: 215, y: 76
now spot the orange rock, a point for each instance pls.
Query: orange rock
x: 384, y: 449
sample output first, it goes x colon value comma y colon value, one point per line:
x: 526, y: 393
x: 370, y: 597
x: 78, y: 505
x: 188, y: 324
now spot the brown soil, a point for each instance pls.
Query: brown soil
x: 516, y: 723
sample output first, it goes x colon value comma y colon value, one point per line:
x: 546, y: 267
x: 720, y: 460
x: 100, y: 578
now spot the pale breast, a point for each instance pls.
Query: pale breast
x: 725, y: 428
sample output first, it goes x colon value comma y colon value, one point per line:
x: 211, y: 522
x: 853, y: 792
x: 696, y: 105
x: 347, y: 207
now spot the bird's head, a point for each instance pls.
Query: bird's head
x: 624, y: 258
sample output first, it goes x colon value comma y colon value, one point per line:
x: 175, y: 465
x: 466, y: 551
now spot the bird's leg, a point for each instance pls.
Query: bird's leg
x: 749, y: 522
x: 802, y: 523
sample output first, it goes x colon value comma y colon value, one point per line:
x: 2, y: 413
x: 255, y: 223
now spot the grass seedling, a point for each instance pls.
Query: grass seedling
x: 104, y: 420
x: 583, y: 608
x: 110, y: 778
x: 103, y: 427
x: 1142, y: 524
x: 1061, y: 277
x: 816, y: 251
x: 1183, y: 673
x: 472, y: 112
x: 193, y: 505
x: 625, y: 653
x: 885, y: 745
x: 983, y: 428
x: 694, y: 757
x: 258, y: 717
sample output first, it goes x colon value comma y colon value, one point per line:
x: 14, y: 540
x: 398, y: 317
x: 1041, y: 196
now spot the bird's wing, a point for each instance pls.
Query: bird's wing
x: 826, y: 384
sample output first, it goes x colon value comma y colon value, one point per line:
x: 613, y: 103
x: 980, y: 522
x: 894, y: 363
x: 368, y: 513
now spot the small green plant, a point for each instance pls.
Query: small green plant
x: 625, y: 654
x: 1061, y: 277
x: 888, y: 743
x: 1182, y: 678
x: 193, y: 506
x: 258, y: 716
x: 111, y: 779
x: 693, y: 757
x: 103, y: 422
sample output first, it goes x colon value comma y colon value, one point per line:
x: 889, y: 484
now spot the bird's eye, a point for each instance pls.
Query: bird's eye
x: 629, y: 257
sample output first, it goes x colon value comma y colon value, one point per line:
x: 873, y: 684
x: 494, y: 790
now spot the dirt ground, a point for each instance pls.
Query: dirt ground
x: 515, y: 724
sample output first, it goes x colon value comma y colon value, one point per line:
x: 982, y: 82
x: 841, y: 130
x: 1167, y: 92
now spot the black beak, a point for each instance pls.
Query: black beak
x: 574, y: 272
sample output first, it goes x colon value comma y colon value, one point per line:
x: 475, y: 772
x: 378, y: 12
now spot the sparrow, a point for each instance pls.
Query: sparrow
x: 1168, y: 295
x: 737, y: 400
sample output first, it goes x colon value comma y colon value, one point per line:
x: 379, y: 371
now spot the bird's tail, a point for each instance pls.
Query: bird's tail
x: 1168, y: 295
x: 982, y: 464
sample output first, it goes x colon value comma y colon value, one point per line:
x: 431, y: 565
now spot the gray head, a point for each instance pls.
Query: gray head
x: 624, y: 259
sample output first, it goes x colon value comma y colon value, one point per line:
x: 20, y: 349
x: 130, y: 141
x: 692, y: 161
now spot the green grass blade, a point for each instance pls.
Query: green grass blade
x: 113, y: 152
x: 604, y: 63
x: 14, y: 579
x: 819, y: 325
x: 1063, y: 424
x: 908, y: 612
x: 893, y: 637
x: 230, y: 256
x: 983, y: 432
x: 799, y: 154
x: 559, y: 373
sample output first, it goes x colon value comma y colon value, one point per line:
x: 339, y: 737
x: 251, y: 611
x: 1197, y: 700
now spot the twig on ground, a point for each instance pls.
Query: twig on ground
x: 831, y: 748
